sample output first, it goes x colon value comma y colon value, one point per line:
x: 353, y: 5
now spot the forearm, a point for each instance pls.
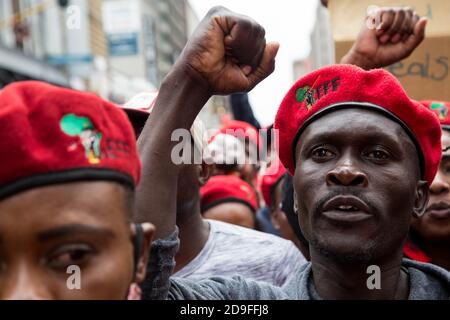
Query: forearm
x: 180, y: 99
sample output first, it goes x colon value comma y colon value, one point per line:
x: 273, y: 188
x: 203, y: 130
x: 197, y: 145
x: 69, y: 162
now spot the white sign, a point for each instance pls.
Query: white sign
x: 123, y: 16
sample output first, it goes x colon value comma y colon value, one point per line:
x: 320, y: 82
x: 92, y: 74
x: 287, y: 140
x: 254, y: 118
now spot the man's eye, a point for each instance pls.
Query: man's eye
x: 70, y: 255
x: 322, y: 153
x: 446, y: 168
x: 378, y: 155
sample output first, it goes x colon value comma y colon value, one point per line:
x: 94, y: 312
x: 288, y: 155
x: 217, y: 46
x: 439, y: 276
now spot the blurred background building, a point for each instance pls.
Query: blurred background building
x: 322, y: 46
x: 114, y: 48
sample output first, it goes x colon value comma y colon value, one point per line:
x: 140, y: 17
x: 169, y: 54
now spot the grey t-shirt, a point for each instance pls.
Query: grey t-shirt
x: 427, y: 281
x: 232, y: 250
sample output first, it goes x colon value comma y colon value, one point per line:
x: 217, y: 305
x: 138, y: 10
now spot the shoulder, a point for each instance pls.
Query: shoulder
x: 427, y: 281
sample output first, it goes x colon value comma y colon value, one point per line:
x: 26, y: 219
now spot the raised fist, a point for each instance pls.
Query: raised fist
x: 228, y: 53
x: 388, y: 36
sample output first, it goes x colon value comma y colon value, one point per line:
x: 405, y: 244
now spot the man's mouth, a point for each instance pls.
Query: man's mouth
x: 440, y: 210
x: 346, y: 209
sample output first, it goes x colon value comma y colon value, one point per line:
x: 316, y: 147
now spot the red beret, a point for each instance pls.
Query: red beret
x: 441, y: 109
x: 54, y: 135
x: 240, y: 129
x: 271, y: 179
x: 347, y: 86
x: 221, y: 189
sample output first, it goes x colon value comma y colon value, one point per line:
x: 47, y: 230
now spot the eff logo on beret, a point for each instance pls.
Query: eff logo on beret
x: 83, y: 127
x: 440, y: 109
x: 310, y: 95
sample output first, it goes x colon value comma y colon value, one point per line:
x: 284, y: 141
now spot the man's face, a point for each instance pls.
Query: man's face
x: 356, y: 181
x: 45, y: 230
x: 434, y: 225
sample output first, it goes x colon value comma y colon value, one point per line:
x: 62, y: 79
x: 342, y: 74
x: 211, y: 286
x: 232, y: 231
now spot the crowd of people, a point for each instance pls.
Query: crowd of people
x: 345, y: 196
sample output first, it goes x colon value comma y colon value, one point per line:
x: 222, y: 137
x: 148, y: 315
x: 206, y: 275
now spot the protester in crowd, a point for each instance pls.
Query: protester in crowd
x: 226, y: 197
x: 346, y: 140
x: 212, y: 248
x: 430, y: 234
x: 66, y: 197
x: 272, y: 186
x: 227, y: 154
x: 252, y: 142
x: 348, y: 143
x: 229, y: 199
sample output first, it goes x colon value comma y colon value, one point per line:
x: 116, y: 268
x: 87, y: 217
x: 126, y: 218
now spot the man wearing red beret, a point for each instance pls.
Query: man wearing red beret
x: 249, y: 165
x: 229, y: 199
x: 362, y: 153
x: 344, y: 138
x: 430, y: 234
x: 67, y: 182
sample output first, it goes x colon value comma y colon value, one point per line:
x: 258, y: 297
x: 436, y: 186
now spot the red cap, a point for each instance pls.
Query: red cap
x: 142, y: 103
x: 221, y: 189
x: 139, y: 108
x: 346, y: 86
x: 270, y: 180
x: 53, y: 135
x: 441, y: 109
x: 240, y: 129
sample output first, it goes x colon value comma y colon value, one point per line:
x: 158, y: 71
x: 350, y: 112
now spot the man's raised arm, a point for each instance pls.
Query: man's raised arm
x: 227, y: 53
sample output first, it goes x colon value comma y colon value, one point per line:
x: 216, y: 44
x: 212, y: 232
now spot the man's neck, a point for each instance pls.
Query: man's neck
x: 194, y: 233
x: 350, y: 280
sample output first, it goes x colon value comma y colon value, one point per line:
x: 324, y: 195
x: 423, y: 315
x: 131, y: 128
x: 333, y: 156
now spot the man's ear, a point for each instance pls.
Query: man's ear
x: 204, y: 173
x: 421, y: 200
x: 148, y: 231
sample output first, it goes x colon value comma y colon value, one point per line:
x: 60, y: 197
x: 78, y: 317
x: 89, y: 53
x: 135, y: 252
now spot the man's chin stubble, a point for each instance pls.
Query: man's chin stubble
x: 354, y: 255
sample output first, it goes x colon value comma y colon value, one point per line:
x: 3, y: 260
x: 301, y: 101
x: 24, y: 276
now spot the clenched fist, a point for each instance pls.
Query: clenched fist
x: 228, y: 53
x: 390, y: 35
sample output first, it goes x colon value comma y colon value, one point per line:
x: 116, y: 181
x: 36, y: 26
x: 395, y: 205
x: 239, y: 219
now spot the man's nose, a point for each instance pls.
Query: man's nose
x: 439, y: 186
x: 24, y: 284
x: 346, y: 173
